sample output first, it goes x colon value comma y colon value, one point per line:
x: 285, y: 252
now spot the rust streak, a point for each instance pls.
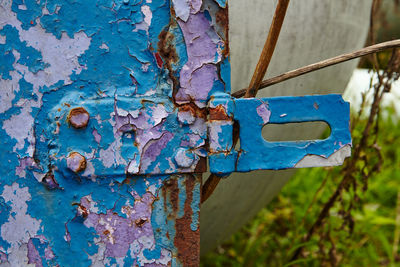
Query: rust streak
x: 167, y: 51
x: 186, y: 240
x: 195, y: 110
x: 222, y: 18
x: 201, y: 166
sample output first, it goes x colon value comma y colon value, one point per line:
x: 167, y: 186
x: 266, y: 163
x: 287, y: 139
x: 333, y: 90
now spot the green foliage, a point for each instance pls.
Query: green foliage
x: 273, y: 236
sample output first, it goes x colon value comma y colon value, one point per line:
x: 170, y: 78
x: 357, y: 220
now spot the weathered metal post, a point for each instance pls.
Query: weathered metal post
x: 103, y: 128
x: 108, y: 112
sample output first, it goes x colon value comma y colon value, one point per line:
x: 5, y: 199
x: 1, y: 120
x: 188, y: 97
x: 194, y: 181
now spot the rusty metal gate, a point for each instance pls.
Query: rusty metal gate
x: 109, y: 110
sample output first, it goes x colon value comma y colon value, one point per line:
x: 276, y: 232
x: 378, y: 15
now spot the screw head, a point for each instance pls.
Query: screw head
x: 76, y: 162
x: 78, y: 117
x: 184, y: 158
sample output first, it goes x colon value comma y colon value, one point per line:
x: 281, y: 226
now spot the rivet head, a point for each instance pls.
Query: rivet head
x: 184, y: 158
x: 78, y: 117
x: 76, y: 162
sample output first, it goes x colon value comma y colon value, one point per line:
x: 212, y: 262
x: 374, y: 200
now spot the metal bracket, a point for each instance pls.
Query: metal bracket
x: 153, y: 137
x: 113, y: 137
x: 256, y: 153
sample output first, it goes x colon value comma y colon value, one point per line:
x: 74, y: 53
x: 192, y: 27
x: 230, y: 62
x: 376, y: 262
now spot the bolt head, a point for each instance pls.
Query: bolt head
x: 78, y: 117
x: 76, y: 162
x: 184, y: 158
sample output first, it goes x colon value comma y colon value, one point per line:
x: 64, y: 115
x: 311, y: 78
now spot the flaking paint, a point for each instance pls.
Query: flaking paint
x: 149, y: 74
x: 123, y: 62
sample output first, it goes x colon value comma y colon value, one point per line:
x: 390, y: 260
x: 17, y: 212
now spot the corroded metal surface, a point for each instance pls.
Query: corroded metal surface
x: 256, y: 153
x: 97, y: 109
x: 94, y: 94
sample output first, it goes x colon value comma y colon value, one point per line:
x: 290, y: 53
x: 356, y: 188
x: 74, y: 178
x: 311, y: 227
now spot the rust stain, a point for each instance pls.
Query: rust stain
x: 81, y: 166
x: 195, y: 110
x: 186, y: 240
x: 222, y: 18
x: 159, y: 60
x: 140, y: 222
x: 167, y: 51
x: 201, y: 166
x: 172, y: 194
x: 166, y: 47
x: 218, y: 113
x: 75, y: 115
x: 81, y: 211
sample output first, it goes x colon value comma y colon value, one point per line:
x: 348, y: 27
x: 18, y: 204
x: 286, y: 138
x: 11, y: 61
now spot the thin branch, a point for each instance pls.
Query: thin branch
x: 396, y: 238
x: 351, y: 165
x: 269, y: 48
x: 259, y: 73
x: 209, y: 186
x: 323, y: 64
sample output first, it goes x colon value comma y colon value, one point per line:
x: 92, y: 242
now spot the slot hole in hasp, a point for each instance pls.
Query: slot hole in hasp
x: 296, y: 131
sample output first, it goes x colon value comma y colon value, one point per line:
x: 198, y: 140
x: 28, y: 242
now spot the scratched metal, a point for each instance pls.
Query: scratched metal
x: 92, y: 95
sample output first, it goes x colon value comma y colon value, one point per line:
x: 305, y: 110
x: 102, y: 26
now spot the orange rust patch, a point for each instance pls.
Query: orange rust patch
x: 186, y: 240
x: 167, y: 51
x: 195, y: 110
x: 218, y: 113
x: 77, y: 112
x: 222, y: 18
x: 81, y: 211
x: 82, y: 161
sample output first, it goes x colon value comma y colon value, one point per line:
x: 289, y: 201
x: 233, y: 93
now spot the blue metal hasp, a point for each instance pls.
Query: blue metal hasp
x: 256, y: 153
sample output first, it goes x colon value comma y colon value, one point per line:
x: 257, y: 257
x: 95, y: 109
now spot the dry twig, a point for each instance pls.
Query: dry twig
x: 259, y: 73
x: 323, y: 64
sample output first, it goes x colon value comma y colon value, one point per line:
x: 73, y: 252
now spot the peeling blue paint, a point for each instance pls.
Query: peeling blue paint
x: 72, y: 188
x: 108, y: 111
x: 255, y: 153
